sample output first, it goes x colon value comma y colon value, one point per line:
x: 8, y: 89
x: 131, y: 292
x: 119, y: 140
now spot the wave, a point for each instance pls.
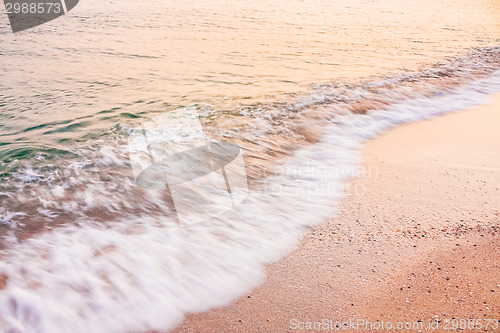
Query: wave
x: 117, y: 263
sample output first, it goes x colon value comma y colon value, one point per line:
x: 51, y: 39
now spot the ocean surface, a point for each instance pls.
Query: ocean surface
x: 298, y: 85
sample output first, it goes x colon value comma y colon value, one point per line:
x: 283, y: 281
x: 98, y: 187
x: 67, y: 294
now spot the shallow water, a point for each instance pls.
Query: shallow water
x: 299, y: 86
x: 107, y: 62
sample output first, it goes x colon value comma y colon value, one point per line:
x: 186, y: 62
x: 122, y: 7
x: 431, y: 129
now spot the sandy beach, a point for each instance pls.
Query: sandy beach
x: 416, y: 240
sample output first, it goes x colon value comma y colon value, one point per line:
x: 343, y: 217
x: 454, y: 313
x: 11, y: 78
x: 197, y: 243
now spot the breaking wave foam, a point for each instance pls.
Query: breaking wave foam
x: 140, y: 273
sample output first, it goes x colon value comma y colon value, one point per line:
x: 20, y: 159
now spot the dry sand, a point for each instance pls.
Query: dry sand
x: 417, y: 239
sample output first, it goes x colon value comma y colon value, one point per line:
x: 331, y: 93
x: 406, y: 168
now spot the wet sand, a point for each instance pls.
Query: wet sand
x: 417, y: 240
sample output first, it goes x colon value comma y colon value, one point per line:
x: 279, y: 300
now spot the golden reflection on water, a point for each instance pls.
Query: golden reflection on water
x: 238, y: 48
x: 137, y: 56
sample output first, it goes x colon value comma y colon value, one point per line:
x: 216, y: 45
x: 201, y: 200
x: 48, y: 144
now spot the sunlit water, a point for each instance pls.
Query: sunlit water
x: 107, y: 60
x: 298, y: 84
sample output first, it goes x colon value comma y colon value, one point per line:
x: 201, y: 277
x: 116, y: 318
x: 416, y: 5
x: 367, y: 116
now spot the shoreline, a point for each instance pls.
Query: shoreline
x: 420, y: 241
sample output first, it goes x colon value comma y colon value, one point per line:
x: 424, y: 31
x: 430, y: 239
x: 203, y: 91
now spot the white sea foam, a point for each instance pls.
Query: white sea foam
x: 141, y: 274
